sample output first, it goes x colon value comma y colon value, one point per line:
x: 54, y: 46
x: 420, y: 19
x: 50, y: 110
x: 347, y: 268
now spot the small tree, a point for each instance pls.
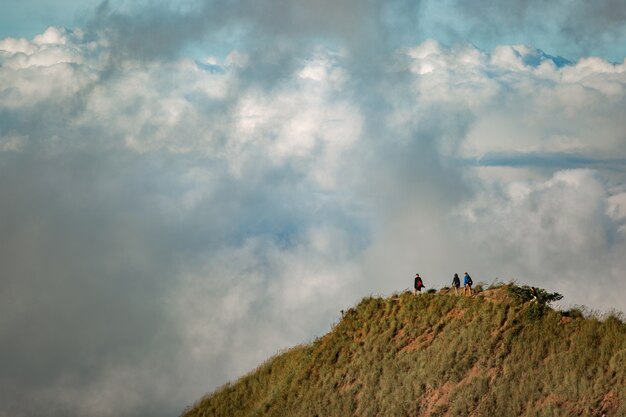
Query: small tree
x: 526, y: 293
x: 538, y: 297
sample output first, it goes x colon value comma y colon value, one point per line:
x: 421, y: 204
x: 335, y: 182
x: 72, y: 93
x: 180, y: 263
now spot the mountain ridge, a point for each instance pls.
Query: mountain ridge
x: 502, y: 352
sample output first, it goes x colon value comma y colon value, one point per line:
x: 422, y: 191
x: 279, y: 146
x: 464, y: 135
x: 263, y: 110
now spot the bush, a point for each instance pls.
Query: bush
x: 534, y: 311
x: 574, y: 313
x: 526, y: 293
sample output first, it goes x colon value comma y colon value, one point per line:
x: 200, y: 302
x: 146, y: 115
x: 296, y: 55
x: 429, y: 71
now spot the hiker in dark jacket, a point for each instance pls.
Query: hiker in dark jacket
x: 456, y: 283
x: 467, y: 284
x: 418, y: 284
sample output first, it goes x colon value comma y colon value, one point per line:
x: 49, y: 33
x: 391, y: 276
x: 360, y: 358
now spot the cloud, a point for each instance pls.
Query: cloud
x: 131, y: 189
x: 167, y: 223
x: 574, y: 28
x: 160, y: 31
x: 522, y: 105
x: 79, y: 259
x: 568, y: 236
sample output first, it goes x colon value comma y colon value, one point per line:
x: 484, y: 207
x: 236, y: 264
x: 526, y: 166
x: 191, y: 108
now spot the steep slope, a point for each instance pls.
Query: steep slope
x: 441, y: 355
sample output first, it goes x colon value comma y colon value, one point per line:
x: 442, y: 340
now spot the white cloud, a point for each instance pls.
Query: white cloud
x: 244, y: 303
x: 53, y: 67
x: 456, y: 76
x: 563, y: 231
x: 16, y: 45
x: 251, y: 208
x: 521, y: 101
x: 303, y: 122
x: 565, y: 213
x: 13, y: 142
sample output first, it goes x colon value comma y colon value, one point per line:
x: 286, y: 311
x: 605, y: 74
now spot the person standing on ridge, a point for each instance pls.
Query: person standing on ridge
x: 456, y: 283
x: 417, y: 285
x: 467, y: 284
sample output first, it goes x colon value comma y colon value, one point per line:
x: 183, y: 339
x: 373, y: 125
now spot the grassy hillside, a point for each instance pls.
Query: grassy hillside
x: 442, y: 355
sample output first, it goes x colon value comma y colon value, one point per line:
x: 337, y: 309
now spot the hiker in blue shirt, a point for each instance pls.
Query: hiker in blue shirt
x: 467, y: 284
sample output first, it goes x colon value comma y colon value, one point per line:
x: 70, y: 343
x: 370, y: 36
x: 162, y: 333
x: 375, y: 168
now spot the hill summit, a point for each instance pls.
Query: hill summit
x: 502, y: 352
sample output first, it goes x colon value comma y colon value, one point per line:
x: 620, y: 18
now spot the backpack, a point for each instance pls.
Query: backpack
x: 469, y: 281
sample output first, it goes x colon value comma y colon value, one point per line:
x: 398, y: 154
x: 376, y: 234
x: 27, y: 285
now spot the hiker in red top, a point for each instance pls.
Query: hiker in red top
x: 417, y: 285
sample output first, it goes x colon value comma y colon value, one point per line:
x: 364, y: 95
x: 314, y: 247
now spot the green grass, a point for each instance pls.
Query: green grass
x: 441, y: 355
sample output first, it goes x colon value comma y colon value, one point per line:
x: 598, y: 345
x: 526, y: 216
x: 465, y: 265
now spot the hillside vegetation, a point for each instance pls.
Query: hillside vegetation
x: 438, y: 354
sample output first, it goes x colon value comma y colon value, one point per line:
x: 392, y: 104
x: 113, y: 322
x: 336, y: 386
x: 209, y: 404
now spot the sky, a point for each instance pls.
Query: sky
x: 187, y: 188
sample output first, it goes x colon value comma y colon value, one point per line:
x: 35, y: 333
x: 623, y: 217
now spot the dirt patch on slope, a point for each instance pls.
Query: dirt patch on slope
x: 419, y: 342
x: 495, y: 295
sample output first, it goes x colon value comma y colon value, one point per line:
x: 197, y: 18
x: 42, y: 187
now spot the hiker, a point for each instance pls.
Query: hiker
x: 456, y: 283
x: 417, y: 285
x: 467, y: 284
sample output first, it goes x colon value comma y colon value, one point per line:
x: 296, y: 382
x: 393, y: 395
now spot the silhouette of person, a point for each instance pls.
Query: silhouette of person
x: 456, y: 283
x: 418, y: 284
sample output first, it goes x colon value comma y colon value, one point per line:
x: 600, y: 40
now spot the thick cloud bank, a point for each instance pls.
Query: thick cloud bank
x: 167, y: 225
